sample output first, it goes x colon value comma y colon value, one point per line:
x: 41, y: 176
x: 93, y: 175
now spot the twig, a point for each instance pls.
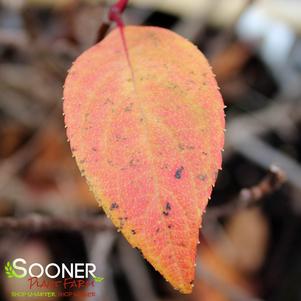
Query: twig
x: 36, y: 222
x: 233, y: 293
x: 249, y: 197
x: 272, y: 181
x: 102, y: 31
x: 244, y: 134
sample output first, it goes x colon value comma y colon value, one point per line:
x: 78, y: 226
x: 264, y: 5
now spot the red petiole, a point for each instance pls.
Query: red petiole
x: 115, y: 16
x: 116, y: 10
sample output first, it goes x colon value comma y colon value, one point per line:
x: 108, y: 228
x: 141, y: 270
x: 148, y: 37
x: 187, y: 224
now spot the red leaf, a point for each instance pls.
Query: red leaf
x: 147, y: 133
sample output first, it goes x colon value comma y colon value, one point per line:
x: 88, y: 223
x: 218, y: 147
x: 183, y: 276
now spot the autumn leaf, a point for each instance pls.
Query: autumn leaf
x: 147, y: 128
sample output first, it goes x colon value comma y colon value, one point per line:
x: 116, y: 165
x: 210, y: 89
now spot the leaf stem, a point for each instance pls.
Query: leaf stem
x: 116, y: 10
x: 114, y: 15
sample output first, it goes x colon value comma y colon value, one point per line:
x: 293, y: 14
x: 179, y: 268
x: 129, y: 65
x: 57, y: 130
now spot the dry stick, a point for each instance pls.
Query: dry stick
x: 36, y: 222
x: 272, y: 181
x: 233, y: 293
x: 102, y: 31
x: 249, y: 197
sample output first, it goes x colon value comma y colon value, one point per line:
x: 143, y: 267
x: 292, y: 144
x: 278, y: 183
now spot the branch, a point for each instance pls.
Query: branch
x: 249, y: 197
x: 231, y: 292
x: 271, y: 182
x: 36, y: 222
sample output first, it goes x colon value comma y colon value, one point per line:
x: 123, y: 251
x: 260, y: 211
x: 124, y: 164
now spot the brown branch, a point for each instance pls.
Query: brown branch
x: 249, y: 197
x: 36, y: 222
x: 231, y: 292
x: 271, y: 182
x: 102, y: 31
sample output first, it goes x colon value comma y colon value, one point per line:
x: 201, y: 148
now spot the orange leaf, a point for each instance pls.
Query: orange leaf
x: 147, y: 129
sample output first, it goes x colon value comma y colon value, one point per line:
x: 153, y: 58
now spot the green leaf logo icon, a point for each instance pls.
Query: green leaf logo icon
x: 98, y: 279
x: 10, y: 272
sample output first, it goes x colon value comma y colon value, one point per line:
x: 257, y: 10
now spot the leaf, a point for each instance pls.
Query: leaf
x: 98, y: 279
x: 147, y: 129
x: 9, y: 271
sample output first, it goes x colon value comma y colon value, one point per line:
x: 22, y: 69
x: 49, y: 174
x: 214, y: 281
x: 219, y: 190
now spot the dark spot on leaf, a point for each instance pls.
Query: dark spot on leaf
x: 128, y: 108
x: 191, y: 282
x: 122, y: 221
x: 133, y: 162
x: 133, y: 231
x: 204, y: 153
x: 120, y: 138
x: 167, y: 209
x: 114, y: 206
x: 202, y: 177
x: 157, y: 230
x: 110, y: 162
x: 108, y: 101
x: 94, y: 149
x: 178, y: 173
x: 165, y: 166
x: 181, y: 146
x: 169, y: 226
x: 172, y: 86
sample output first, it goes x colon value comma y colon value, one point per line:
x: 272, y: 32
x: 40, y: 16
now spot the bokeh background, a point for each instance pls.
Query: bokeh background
x: 254, y: 47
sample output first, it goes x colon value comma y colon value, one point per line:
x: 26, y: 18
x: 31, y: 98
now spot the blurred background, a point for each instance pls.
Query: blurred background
x: 249, y: 254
